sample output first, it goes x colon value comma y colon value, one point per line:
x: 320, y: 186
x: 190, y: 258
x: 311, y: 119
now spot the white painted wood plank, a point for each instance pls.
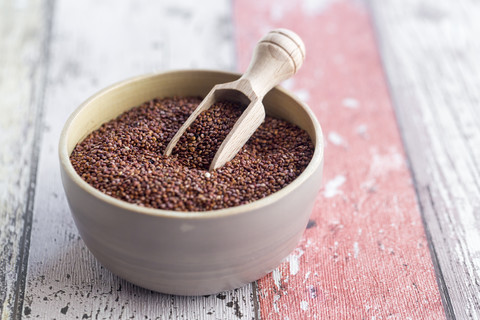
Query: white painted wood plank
x: 96, y: 43
x: 23, y: 32
x: 431, y: 53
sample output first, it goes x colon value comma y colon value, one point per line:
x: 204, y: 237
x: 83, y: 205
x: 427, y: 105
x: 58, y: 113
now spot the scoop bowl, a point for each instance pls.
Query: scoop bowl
x: 188, y: 253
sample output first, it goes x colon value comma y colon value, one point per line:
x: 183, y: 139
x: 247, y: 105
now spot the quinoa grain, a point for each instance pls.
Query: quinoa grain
x: 124, y: 157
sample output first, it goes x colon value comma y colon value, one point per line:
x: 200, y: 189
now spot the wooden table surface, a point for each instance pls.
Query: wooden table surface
x: 395, y: 232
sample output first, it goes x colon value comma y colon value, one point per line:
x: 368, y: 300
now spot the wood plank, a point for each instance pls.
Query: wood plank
x: 23, y: 40
x: 430, y: 50
x: 364, y: 254
x: 93, y: 45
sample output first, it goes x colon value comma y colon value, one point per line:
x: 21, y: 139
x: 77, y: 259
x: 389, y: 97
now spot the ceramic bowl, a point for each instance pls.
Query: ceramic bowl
x: 188, y: 253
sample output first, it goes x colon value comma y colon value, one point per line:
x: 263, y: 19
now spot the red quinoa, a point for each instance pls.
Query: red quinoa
x: 124, y: 157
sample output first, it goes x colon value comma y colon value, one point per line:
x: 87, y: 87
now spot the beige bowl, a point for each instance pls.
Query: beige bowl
x: 188, y: 253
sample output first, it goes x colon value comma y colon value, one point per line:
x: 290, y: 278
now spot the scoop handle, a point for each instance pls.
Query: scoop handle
x: 277, y: 57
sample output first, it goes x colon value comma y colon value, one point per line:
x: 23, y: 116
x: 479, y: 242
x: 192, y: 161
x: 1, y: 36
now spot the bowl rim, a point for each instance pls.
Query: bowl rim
x: 65, y: 163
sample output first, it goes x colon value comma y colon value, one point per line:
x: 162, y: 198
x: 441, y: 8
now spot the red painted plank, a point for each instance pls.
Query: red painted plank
x: 364, y: 254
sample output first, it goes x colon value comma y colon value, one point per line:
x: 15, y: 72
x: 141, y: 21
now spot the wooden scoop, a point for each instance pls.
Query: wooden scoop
x: 277, y: 57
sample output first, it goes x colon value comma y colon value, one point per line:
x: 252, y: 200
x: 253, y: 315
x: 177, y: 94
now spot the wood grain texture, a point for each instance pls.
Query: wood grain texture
x: 93, y: 45
x: 23, y: 39
x: 364, y: 254
x: 431, y: 53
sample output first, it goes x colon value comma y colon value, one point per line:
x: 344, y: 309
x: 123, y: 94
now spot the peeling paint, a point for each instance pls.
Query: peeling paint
x: 294, y: 261
x: 336, y: 139
x: 304, y: 305
x: 303, y: 94
x: 277, y: 278
x: 350, y: 103
x: 275, y: 303
x: 356, y: 250
x: 314, y: 7
x: 332, y: 186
